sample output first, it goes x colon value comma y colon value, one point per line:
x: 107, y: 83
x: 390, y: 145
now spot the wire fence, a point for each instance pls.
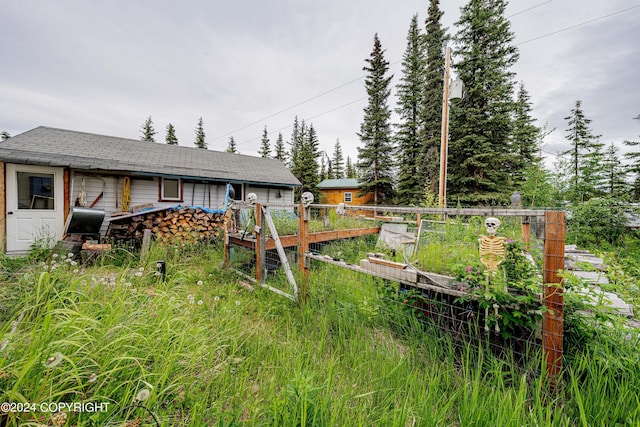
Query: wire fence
x: 482, y: 276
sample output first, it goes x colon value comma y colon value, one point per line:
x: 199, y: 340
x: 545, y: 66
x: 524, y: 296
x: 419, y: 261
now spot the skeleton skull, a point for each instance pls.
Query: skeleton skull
x: 306, y: 199
x: 252, y: 198
x: 492, y: 225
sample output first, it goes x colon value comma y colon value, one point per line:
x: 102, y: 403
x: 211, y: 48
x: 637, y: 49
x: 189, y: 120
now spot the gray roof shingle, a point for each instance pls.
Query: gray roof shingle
x: 78, y: 150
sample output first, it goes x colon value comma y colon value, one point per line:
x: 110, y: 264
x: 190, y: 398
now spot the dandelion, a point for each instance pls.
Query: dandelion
x: 199, y: 282
x: 143, y: 395
x: 55, y: 256
x: 74, y: 263
x: 45, y: 267
x: 54, y: 360
x: 92, y: 378
x: 216, y: 298
x: 70, y: 255
x: 76, y: 271
x: 141, y: 269
x: 200, y: 302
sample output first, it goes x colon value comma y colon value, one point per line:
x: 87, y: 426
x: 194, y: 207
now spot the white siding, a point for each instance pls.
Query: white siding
x: 270, y: 195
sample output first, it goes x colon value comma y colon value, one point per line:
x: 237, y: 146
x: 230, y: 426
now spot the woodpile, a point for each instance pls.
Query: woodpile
x: 183, y: 224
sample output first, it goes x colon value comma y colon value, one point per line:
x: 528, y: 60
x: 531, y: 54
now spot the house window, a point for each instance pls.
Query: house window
x: 170, y: 189
x: 35, y: 191
x: 237, y: 188
x: 347, y: 197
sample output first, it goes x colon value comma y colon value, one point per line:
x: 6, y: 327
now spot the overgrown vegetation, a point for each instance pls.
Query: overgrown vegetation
x: 199, y: 348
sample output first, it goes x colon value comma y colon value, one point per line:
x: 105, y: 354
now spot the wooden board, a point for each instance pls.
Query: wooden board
x: 391, y: 273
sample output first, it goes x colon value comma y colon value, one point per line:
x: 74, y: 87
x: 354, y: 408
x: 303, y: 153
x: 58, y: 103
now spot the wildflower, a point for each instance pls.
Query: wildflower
x: 142, y: 395
x: 139, y: 274
x: 76, y: 271
x: 190, y: 297
x: 55, y: 256
x: 216, y: 298
x: 172, y: 299
x: 70, y: 255
x: 92, y: 378
x: 141, y: 269
x: 199, y: 283
x: 74, y: 263
x: 238, y: 303
x: 200, y: 302
x: 469, y: 269
x: 463, y: 288
x: 510, y: 240
x: 54, y: 360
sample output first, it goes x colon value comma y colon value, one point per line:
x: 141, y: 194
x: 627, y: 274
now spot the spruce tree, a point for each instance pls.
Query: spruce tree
x: 375, y: 158
x: 350, y: 169
x: 231, y: 147
x: 410, y: 93
x: 147, y: 131
x: 200, y: 136
x: 304, y: 157
x: 480, y: 156
x: 525, y: 135
x: 615, y: 174
x: 583, y: 167
x: 634, y: 166
x: 265, y: 148
x: 338, y: 161
x: 171, y: 137
x: 280, y: 150
x: 431, y: 110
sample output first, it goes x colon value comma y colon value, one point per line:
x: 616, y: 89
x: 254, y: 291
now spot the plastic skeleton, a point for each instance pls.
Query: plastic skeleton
x: 492, y: 247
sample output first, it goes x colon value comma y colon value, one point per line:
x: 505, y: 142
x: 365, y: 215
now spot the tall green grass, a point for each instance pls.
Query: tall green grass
x: 199, y: 348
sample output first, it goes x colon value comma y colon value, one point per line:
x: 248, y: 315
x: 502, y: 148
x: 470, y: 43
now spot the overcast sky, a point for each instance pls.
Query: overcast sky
x: 105, y: 66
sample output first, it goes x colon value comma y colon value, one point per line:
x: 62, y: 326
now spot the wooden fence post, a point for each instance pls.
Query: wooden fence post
x: 261, y: 245
x: 303, y: 248
x: 553, y: 293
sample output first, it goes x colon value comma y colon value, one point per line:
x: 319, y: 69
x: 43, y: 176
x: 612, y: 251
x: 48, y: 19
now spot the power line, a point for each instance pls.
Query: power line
x: 571, y: 27
x: 528, y: 9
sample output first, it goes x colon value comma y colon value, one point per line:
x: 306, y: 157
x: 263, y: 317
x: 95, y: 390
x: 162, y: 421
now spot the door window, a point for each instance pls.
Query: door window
x: 35, y: 191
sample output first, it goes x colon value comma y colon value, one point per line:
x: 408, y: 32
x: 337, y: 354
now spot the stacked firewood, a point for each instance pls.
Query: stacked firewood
x: 183, y: 224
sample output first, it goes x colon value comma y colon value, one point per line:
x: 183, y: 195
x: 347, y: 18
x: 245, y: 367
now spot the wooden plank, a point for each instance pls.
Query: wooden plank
x: 283, y: 257
x: 387, y: 263
x: 66, y: 194
x: 260, y: 246
x: 303, y: 248
x: 553, y: 293
x: 392, y: 273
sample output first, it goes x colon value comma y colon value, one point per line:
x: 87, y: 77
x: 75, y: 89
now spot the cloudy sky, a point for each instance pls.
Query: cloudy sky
x: 104, y: 67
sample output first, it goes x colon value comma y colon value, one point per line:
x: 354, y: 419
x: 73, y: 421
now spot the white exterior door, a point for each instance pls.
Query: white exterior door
x: 35, y: 205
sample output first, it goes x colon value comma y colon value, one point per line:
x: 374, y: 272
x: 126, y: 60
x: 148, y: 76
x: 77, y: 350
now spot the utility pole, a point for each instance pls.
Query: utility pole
x: 442, y: 199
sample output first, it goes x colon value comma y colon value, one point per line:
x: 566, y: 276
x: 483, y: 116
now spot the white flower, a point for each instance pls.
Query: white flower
x: 76, y: 271
x: 216, y: 298
x: 139, y: 274
x: 200, y: 302
x: 142, y: 395
x: 74, y: 262
x: 92, y: 378
x: 199, y: 283
x: 55, y: 255
x: 54, y: 360
x: 238, y: 303
x: 190, y: 297
x: 141, y: 269
x: 70, y: 254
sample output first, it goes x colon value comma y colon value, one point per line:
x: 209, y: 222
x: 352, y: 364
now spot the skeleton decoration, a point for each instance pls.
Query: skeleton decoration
x: 492, y: 247
x: 340, y: 210
x: 306, y: 199
x: 252, y: 198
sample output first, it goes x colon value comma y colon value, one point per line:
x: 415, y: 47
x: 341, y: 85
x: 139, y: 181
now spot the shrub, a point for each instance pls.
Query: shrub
x: 596, y: 221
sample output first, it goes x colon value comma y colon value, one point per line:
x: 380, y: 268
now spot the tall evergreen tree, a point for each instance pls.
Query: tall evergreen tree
x: 615, y: 182
x: 147, y: 131
x: 525, y: 135
x: 410, y: 92
x: 480, y: 131
x: 338, y: 161
x: 265, y: 148
x: 583, y: 157
x: 200, y: 135
x: 634, y: 166
x: 431, y: 111
x: 231, y: 147
x: 375, y: 158
x: 280, y: 150
x: 304, y: 157
x: 4, y: 135
x: 171, y: 137
x: 349, y: 169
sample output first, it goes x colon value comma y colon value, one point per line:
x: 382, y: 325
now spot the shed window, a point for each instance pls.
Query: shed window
x: 347, y: 197
x: 35, y: 191
x: 170, y: 189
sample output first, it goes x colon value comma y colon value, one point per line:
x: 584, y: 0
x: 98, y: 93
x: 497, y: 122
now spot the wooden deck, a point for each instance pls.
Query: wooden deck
x: 292, y: 240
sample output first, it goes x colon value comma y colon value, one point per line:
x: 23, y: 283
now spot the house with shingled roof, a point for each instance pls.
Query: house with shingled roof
x: 46, y: 171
